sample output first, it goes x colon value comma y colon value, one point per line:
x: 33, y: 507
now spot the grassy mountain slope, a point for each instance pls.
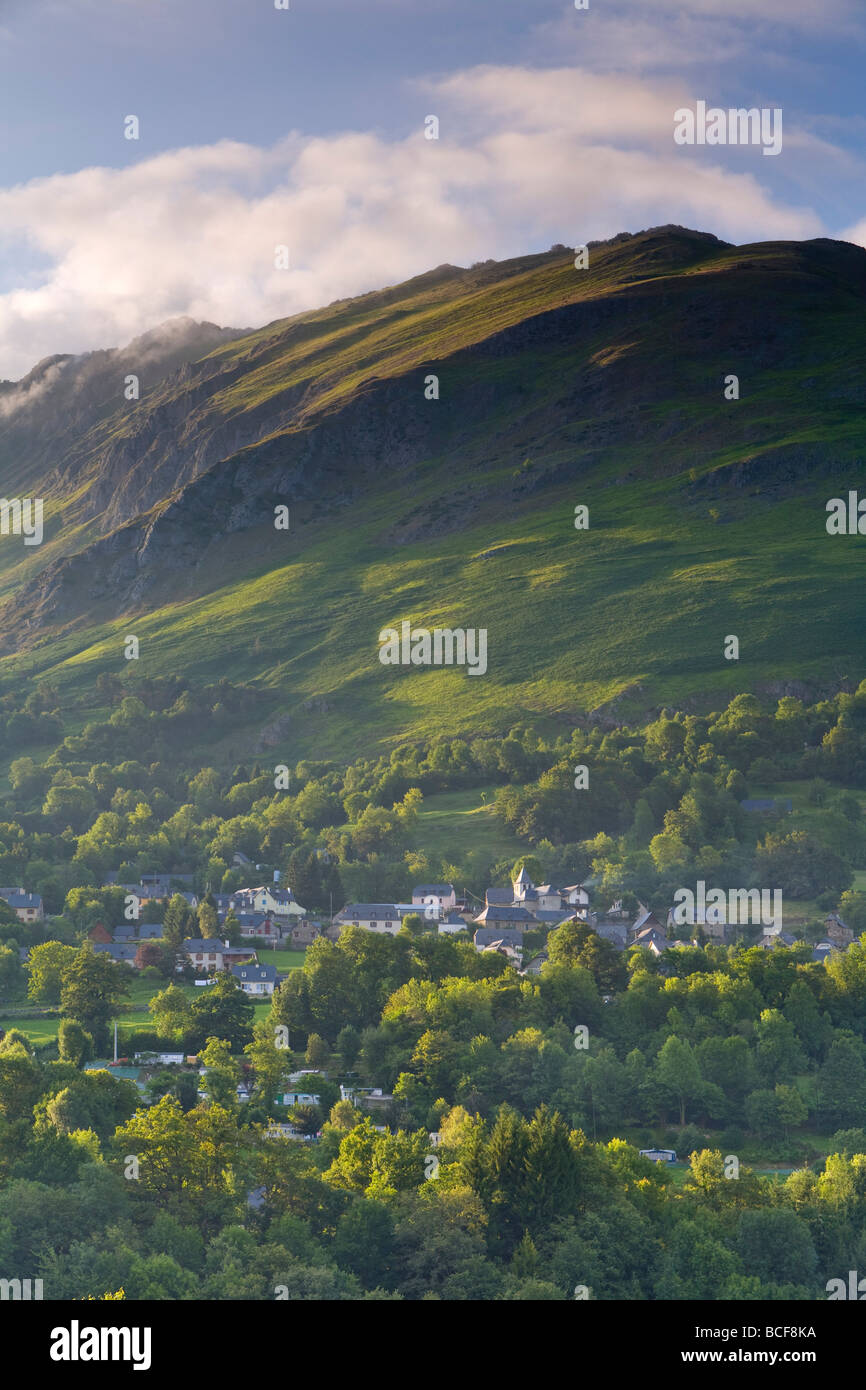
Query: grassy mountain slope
x: 558, y: 387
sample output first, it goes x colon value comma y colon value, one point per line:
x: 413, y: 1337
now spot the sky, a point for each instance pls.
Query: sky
x: 305, y: 128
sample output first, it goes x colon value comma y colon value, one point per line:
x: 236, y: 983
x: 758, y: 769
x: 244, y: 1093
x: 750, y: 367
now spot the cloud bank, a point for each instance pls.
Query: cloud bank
x: 525, y: 158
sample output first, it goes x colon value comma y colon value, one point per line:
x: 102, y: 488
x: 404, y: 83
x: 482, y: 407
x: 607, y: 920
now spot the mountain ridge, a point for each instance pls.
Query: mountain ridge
x: 555, y: 385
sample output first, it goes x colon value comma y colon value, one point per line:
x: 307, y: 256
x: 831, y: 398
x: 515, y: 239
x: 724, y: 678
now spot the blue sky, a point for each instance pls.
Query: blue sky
x: 262, y: 127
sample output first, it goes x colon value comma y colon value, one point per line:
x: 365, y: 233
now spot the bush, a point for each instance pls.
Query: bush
x: 145, y: 1041
x: 732, y: 1140
x: 848, y: 1142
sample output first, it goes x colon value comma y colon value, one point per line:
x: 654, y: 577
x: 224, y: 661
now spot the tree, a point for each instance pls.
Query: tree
x: 269, y: 1063
x: 73, y: 1043
x: 775, y: 1244
x: 45, y: 966
x: 208, y: 920
x: 13, y: 980
x: 222, y: 1073
x: 307, y: 1118
x: 364, y: 1242
x: 92, y: 991
x: 414, y: 923
x: 318, y: 1052
x: 180, y: 922
x: 152, y: 954
x: 842, y: 1082
x: 349, y: 1045
x: 792, y: 1107
x: 532, y: 865
x: 779, y: 1054
x: 231, y: 928
x: 221, y: 1011
x: 171, y: 1012
x: 304, y: 878
x: 802, y: 864
x: 678, y: 1072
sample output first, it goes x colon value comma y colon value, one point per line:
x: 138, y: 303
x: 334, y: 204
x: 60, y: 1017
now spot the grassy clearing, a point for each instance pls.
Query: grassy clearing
x: 137, y: 1017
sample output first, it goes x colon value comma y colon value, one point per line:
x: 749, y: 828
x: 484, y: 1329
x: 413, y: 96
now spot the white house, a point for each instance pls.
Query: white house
x: 380, y: 917
x: 272, y: 901
x: 438, y: 895
x: 254, y: 978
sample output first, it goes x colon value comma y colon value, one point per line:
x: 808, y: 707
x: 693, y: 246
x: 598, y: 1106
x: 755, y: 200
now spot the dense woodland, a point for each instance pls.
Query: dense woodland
x: 535, y: 1186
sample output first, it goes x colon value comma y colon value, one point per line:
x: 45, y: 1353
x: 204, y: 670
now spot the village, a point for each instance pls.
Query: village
x: 269, y: 917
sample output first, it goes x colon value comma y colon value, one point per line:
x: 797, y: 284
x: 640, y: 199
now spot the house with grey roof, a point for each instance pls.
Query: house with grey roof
x: 451, y: 924
x: 118, y: 951
x: 492, y: 936
x: 26, y: 906
x: 380, y: 917
x: 508, y: 917
x: 439, y: 895
x: 256, y: 979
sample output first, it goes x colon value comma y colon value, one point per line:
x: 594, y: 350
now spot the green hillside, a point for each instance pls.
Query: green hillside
x: 558, y: 388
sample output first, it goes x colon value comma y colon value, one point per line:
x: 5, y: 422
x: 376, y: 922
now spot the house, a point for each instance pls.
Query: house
x: 771, y: 939
x: 276, y: 1130
x: 614, y: 932
x: 367, y: 1097
x: 205, y: 953
x: 509, y: 918
x: 654, y: 939
x: 137, y: 931
x: 447, y: 926
x: 537, y: 963
x: 240, y: 860
x: 304, y: 933
x: 269, y: 899
x: 576, y: 895
x: 254, y: 925
x: 297, y: 1098
x: 209, y: 953
x: 499, y: 897
x: 509, y: 943
x: 167, y: 884
x: 380, y: 917
x: 645, y: 919
x: 823, y: 951
x: 505, y: 948
x: 552, y: 917
x: 659, y: 1155
x: 26, y: 906
x: 254, y: 978
x: 438, y: 895
x: 118, y: 951
x: 837, y: 931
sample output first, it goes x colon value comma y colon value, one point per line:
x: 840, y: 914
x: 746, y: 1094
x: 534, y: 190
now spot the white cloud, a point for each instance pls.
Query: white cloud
x: 525, y: 158
x: 670, y: 35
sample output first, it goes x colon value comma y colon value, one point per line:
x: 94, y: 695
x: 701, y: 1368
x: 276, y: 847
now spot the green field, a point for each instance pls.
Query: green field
x: 455, y: 824
x: 42, y: 1030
